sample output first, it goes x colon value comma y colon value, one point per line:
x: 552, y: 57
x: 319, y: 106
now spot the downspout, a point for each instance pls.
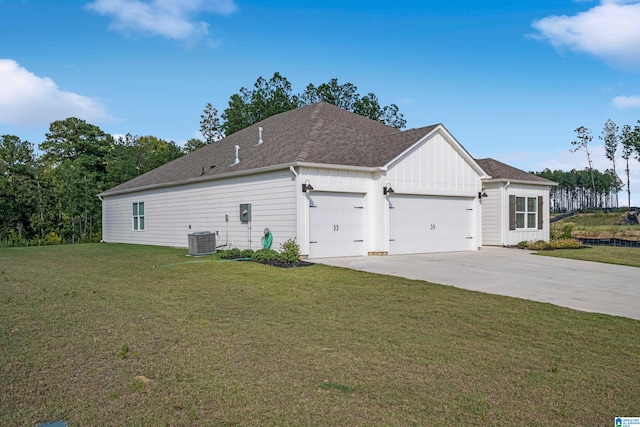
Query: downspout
x: 102, y: 209
x: 503, y: 218
x: 299, y: 212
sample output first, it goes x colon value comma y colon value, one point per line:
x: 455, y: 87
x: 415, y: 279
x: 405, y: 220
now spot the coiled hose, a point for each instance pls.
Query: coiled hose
x: 267, y: 239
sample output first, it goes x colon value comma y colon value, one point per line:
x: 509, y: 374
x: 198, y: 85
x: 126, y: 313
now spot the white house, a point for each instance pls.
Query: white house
x: 337, y: 182
x: 516, y: 207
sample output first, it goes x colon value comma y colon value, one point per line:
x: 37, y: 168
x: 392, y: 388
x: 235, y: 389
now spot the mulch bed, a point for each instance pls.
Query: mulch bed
x: 284, y: 264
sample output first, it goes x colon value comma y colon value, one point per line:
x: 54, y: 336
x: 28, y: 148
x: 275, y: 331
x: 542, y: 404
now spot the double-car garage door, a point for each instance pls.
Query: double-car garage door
x: 425, y: 224
x: 417, y: 224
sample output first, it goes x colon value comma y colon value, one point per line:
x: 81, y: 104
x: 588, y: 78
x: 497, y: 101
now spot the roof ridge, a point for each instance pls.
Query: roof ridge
x: 313, y: 134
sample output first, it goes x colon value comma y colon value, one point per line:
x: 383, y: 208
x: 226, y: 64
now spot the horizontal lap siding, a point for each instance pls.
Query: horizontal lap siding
x: 490, y: 217
x: 170, y: 211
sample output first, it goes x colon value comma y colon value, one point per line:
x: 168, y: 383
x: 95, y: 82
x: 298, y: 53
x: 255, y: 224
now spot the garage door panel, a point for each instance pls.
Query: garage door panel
x: 336, y: 225
x: 424, y: 224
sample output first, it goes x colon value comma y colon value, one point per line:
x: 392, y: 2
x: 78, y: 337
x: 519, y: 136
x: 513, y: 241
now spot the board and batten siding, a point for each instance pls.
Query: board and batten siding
x: 172, y: 213
x: 438, y: 166
x: 434, y: 167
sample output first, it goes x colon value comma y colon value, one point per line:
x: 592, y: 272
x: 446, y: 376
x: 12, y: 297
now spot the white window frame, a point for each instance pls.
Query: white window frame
x: 137, y: 216
x: 527, y: 215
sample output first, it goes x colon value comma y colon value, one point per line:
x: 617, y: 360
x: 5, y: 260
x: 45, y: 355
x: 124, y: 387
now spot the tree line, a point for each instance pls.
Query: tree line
x: 52, y: 197
x: 589, y: 188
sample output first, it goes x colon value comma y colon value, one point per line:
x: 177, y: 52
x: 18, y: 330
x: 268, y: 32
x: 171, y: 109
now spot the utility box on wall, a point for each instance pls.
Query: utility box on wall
x: 245, y: 212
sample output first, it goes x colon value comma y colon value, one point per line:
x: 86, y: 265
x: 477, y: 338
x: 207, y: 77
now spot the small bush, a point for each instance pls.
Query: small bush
x: 52, y: 238
x: 567, y: 231
x: 265, y: 255
x: 247, y: 253
x: 541, y: 245
x: 566, y: 244
x: 290, y: 251
x: 232, y: 254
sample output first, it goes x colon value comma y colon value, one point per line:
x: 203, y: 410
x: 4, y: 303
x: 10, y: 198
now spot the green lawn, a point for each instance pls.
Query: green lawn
x: 131, y: 335
x: 605, y: 254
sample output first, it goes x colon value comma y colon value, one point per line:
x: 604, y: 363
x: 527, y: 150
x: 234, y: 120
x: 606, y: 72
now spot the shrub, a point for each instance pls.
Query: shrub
x: 538, y: 245
x: 541, y: 245
x: 265, y: 255
x: 52, y: 238
x: 290, y: 251
x: 566, y: 244
x: 567, y: 231
x: 247, y: 253
x: 232, y: 254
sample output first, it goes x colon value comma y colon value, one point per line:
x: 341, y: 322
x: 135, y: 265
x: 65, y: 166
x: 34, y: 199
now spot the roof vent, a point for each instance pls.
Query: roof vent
x: 237, y: 160
x: 260, y: 136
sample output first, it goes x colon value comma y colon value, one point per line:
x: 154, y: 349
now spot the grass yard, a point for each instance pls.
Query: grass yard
x: 605, y: 254
x: 132, y: 335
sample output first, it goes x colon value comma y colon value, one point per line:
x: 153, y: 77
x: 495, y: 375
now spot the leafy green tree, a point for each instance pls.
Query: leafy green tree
x: 346, y: 97
x: 343, y: 96
x: 18, y: 188
x: 210, y: 125
x: 131, y: 156
x: 193, y: 144
x: 267, y: 98
x: 76, y: 153
x: 274, y: 96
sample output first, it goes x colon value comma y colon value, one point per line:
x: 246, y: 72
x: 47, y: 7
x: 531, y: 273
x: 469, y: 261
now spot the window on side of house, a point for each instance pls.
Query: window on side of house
x: 138, y: 216
x: 526, y: 212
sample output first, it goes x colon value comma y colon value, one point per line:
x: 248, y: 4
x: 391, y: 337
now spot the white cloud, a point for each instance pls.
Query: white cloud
x: 169, y: 18
x: 26, y: 99
x: 610, y: 31
x: 626, y: 101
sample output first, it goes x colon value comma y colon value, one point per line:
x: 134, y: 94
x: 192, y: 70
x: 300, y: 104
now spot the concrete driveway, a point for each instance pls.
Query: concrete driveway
x: 581, y: 285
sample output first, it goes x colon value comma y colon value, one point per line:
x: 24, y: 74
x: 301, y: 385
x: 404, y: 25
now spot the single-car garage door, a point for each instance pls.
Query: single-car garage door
x: 424, y: 224
x: 336, y: 225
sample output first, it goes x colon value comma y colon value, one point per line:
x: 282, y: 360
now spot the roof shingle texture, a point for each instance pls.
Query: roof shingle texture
x: 499, y: 170
x: 317, y: 133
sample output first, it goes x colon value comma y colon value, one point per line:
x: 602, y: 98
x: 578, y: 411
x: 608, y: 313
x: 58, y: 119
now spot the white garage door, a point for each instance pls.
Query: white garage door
x: 336, y: 225
x: 424, y: 224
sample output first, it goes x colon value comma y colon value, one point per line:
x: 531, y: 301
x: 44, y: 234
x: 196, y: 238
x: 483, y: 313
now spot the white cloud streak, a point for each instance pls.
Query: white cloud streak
x: 624, y: 102
x: 610, y: 31
x: 172, y: 19
x: 26, y: 99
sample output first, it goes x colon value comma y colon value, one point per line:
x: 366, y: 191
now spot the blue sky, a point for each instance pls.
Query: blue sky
x: 510, y: 80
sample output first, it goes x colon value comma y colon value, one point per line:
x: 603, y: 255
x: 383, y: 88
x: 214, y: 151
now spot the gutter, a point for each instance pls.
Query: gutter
x: 508, y: 182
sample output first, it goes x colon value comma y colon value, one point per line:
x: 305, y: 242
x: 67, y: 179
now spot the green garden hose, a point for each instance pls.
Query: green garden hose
x: 267, y: 239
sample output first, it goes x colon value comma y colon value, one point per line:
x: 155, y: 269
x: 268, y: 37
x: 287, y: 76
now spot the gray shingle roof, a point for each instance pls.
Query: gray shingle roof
x: 317, y: 133
x: 499, y: 170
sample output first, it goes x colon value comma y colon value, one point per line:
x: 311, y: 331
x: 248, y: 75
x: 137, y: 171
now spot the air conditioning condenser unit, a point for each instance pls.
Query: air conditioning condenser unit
x: 202, y: 243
